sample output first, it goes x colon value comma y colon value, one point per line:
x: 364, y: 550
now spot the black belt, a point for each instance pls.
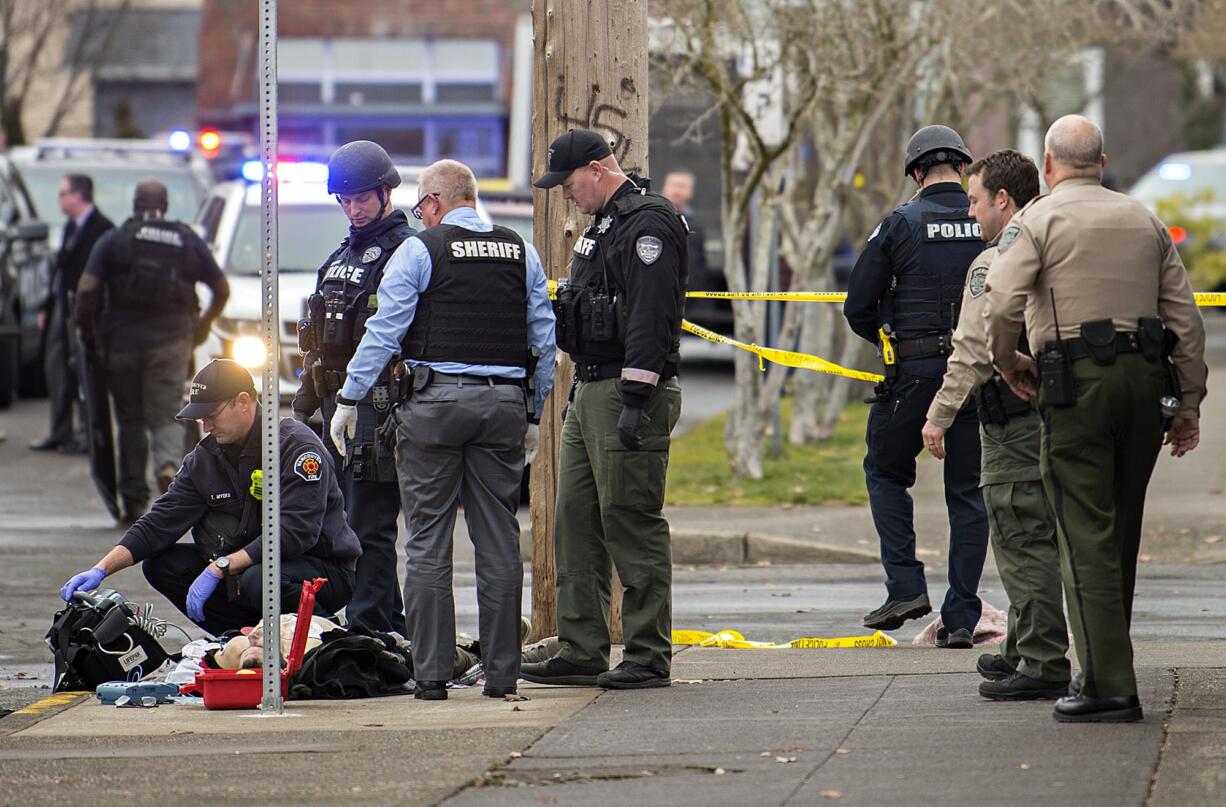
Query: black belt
x: 598, y: 371
x: 922, y: 347
x: 1076, y: 348
x: 460, y: 379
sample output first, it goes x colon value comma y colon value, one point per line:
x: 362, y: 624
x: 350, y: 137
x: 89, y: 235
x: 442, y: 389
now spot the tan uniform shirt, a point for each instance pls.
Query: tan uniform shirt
x: 1103, y: 255
x: 969, y: 364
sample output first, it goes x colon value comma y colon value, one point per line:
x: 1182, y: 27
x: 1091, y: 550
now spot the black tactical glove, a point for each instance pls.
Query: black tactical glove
x: 628, y: 427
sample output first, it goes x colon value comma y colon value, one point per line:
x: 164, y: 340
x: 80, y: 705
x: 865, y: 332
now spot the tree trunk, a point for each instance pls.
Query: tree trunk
x: 855, y: 354
x: 590, y: 73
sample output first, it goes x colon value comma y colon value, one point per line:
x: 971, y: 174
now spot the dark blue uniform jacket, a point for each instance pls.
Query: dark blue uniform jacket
x: 216, y: 495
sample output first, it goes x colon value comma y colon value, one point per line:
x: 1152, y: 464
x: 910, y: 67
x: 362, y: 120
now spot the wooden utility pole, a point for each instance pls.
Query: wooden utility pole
x: 590, y: 73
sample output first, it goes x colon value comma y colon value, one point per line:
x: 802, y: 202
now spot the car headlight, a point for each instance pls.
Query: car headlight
x: 249, y: 352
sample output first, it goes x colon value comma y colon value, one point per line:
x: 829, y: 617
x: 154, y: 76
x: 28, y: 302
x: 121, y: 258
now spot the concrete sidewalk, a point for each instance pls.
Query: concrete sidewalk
x: 865, y: 727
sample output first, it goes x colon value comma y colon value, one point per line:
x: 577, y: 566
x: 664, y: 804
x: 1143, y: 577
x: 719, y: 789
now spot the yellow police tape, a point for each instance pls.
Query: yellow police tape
x: 1203, y: 299
x: 788, y: 358
x: 733, y: 639
x: 806, y: 361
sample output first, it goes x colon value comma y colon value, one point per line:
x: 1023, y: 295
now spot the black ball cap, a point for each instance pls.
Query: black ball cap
x: 575, y: 149
x: 219, y: 380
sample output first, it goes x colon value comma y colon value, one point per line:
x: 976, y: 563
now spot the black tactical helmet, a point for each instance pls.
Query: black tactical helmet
x: 361, y: 166
x: 942, y: 142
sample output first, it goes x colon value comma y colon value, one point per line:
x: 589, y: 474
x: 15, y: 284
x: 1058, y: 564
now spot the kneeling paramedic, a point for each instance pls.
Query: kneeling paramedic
x: 361, y: 176
x: 216, y: 495
x: 467, y: 305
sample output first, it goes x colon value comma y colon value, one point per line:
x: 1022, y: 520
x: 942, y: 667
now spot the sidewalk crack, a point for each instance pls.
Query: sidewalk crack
x: 1166, y: 735
x: 821, y: 763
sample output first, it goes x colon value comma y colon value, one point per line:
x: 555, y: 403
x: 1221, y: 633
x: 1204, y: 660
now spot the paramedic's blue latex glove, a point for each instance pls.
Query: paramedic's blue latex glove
x: 202, y: 588
x: 85, y: 581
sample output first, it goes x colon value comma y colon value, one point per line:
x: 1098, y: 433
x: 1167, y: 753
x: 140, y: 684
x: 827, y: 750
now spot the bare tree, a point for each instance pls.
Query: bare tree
x: 858, y: 78
x: 26, y: 30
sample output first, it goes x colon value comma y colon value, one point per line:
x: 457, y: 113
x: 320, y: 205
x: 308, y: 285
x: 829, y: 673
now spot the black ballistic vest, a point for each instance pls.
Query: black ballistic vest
x: 148, y: 268
x: 475, y: 309
x: 930, y: 265
x: 353, y: 272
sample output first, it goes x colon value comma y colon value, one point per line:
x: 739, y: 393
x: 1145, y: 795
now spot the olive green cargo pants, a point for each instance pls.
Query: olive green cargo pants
x: 1024, y: 544
x: 610, y: 507
x: 1097, y: 458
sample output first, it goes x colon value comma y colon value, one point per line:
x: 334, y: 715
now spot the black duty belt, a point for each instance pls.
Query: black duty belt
x: 1125, y: 342
x: 922, y: 347
x: 461, y: 379
x: 598, y: 371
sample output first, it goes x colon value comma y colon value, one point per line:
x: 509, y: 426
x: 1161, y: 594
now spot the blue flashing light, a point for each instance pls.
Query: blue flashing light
x: 1175, y: 172
x: 253, y: 171
x: 179, y: 139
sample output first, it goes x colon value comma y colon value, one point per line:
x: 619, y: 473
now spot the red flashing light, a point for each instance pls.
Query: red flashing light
x: 1178, y: 235
x: 209, y: 141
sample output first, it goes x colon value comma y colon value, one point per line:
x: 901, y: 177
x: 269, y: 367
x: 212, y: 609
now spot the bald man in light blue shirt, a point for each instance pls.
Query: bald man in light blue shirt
x: 466, y: 305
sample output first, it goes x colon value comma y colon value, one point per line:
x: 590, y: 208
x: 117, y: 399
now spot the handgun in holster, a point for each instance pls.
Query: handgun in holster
x: 534, y: 358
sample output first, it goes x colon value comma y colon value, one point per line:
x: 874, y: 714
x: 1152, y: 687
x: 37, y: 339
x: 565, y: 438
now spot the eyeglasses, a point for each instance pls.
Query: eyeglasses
x: 416, y: 209
x: 213, y: 415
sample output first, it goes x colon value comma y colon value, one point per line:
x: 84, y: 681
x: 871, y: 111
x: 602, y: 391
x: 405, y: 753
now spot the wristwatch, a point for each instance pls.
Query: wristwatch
x: 223, y: 563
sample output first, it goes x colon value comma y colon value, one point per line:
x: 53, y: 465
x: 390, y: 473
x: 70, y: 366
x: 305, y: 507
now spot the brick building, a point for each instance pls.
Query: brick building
x: 424, y: 79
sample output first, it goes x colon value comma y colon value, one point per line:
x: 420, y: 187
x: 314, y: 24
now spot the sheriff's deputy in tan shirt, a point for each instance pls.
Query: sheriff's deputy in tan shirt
x: 1104, y: 267
x: 1032, y: 662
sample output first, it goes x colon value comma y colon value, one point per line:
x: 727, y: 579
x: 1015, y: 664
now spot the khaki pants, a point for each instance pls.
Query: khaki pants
x: 610, y: 509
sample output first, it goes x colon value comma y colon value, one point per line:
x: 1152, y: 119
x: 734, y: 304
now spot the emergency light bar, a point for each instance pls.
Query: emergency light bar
x: 312, y: 172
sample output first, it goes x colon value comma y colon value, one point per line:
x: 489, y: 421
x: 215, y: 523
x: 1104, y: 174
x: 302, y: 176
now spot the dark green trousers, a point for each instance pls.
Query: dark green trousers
x: 610, y: 509
x: 1097, y: 458
x: 1024, y: 543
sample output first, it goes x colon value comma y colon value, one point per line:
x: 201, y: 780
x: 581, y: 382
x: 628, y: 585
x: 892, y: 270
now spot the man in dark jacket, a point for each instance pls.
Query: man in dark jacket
x: 85, y: 226
x: 216, y: 495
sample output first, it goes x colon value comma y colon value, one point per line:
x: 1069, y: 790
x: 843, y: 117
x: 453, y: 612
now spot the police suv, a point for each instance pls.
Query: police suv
x: 310, y: 226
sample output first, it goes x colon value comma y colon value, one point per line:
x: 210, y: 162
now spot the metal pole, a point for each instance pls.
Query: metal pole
x: 270, y: 320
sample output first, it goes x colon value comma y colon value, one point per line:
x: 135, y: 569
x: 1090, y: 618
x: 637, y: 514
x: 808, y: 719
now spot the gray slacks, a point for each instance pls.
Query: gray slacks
x: 59, y: 361
x: 462, y: 443
x: 146, y: 387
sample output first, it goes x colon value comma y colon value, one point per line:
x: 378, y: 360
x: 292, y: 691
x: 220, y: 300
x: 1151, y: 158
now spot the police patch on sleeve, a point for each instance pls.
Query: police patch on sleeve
x: 1007, y: 238
x: 309, y: 466
x: 649, y: 248
x: 873, y: 234
x: 978, y: 280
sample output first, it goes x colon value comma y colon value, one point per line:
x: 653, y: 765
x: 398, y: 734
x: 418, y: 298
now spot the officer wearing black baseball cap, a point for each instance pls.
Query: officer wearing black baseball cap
x: 575, y: 149
x: 216, y: 496
x: 619, y: 318
x: 220, y: 380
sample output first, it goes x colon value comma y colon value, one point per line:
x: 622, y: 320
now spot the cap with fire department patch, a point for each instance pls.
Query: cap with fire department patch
x: 219, y: 381
x: 575, y: 149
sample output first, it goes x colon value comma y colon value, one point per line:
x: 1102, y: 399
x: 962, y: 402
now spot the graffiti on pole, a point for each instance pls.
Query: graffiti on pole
x: 601, y: 115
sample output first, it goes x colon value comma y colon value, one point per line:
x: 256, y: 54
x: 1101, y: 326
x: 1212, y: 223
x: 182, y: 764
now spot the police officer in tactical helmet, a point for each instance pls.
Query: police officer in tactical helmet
x: 903, y: 296
x: 361, y: 176
x: 149, y: 269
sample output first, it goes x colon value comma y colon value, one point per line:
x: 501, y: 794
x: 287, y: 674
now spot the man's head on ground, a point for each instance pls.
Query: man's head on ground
x: 76, y: 195
x: 443, y: 187
x: 1073, y: 148
x: 999, y: 185
x: 150, y: 200
x: 223, y: 399
x: 583, y: 164
x: 678, y: 189
x: 361, y: 176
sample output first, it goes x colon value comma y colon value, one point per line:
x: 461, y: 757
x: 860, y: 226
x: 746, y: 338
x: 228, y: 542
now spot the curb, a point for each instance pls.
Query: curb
x: 705, y: 548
